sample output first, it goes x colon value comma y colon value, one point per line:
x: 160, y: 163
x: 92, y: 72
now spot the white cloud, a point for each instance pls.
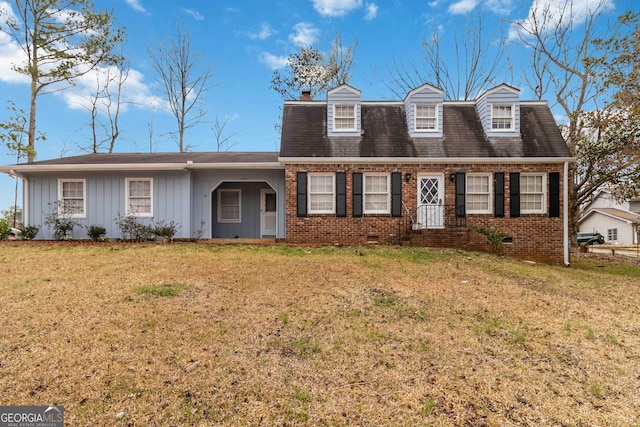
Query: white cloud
x: 265, y: 32
x: 335, y: 7
x: 559, y: 14
x: 500, y: 7
x: 136, y: 5
x: 273, y: 61
x: 194, y: 14
x: 463, y: 6
x: 305, y: 34
x: 372, y: 11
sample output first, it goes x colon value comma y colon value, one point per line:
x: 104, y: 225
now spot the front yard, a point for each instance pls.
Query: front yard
x: 188, y: 334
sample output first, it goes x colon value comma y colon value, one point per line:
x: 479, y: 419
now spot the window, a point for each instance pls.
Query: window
x: 71, y: 198
x: 376, y: 194
x: 612, y: 234
x: 139, y: 197
x: 426, y: 117
x: 532, y: 193
x: 478, y: 197
x: 321, y: 193
x: 229, y: 205
x: 502, y: 117
x: 344, y: 117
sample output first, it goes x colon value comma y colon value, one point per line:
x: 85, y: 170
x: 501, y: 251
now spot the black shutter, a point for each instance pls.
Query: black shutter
x: 460, y: 195
x: 514, y: 194
x: 396, y: 194
x: 356, y: 187
x: 302, y: 193
x: 341, y: 194
x: 498, y: 200
x: 554, y: 194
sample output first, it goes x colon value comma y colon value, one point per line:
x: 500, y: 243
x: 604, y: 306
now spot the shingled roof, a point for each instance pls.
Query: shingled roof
x: 385, y: 134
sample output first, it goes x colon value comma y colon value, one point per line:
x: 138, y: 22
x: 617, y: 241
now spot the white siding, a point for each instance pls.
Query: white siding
x: 601, y: 223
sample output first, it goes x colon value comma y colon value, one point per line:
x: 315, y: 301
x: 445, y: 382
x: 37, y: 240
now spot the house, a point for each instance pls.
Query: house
x: 420, y: 171
x: 617, y: 220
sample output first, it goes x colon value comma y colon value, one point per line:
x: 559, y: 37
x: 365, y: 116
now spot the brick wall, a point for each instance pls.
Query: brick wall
x: 535, y: 237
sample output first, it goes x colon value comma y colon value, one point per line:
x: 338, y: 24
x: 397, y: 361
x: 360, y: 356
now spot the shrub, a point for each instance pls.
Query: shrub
x: 495, y: 237
x: 96, y: 232
x: 166, y: 230
x: 60, y: 221
x: 29, y: 232
x: 132, y: 229
x: 5, y: 230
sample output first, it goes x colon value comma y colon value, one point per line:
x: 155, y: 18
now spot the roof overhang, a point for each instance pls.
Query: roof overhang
x: 609, y: 215
x: 426, y: 160
x: 107, y: 167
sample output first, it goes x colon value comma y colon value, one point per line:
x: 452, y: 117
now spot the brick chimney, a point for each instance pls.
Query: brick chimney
x: 306, y: 96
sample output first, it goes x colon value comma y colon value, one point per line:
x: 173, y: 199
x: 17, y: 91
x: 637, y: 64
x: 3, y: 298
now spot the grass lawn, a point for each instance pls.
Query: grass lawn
x: 186, y: 334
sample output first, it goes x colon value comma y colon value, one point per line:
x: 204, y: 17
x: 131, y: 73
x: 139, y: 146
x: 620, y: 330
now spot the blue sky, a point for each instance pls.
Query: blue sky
x: 244, y: 42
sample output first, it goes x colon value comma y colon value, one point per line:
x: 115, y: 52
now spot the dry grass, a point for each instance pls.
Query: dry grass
x: 168, y: 335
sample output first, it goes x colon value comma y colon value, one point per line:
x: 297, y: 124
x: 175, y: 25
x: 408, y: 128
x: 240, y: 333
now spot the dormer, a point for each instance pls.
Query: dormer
x: 423, y: 109
x: 343, y: 111
x: 499, y: 111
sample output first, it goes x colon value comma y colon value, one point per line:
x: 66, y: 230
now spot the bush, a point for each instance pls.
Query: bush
x: 166, y: 230
x: 132, y: 229
x: 60, y: 222
x: 495, y: 237
x: 5, y: 230
x: 96, y: 232
x: 29, y: 232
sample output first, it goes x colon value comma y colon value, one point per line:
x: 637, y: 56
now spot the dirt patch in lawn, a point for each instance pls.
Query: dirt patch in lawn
x: 155, y: 335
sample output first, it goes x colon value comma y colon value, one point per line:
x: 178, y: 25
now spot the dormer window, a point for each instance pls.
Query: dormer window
x: 344, y: 117
x: 426, y: 117
x: 502, y: 117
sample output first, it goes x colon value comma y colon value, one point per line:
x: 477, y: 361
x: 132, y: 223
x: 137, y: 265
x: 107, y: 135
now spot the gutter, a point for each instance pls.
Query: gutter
x: 25, y: 199
x: 425, y: 160
x: 136, y: 167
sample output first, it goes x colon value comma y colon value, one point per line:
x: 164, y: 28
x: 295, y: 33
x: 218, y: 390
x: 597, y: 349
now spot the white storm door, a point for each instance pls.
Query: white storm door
x: 268, y: 213
x: 431, y: 201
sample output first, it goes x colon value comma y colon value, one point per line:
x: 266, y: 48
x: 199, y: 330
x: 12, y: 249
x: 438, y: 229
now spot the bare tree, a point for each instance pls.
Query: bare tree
x: 480, y: 62
x: 571, y: 58
x: 224, y: 141
x: 312, y: 70
x: 104, y: 102
x: 177, y: 66
x: 62, y: 40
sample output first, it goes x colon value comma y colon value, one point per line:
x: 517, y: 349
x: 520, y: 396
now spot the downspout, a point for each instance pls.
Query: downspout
x: 567, y: 241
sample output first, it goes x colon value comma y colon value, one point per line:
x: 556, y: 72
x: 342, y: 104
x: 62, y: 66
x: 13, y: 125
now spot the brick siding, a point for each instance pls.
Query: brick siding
x: 535, y: 237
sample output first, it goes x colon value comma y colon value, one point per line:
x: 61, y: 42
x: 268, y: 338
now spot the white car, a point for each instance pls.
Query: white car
x: 14, y: 234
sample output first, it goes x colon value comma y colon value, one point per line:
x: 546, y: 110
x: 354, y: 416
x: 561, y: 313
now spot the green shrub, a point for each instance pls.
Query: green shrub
x: 165, y: 229
x: 60, y: 221
x: 132, y: 229
x: 495, y: 237
x: 96, y: 232
x: 5, y: 230
x: 29, y: 232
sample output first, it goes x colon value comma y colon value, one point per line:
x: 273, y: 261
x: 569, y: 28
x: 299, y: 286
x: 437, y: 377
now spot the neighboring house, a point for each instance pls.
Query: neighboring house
x: 617, y: 220
x: 420, y: 171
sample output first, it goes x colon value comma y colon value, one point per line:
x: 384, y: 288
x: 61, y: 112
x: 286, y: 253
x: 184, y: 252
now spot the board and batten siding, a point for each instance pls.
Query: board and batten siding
x: 500, y: 95
x: 105, y: 198
x: 343, y: 95
x: 205, y: 184
x: 423, y: 95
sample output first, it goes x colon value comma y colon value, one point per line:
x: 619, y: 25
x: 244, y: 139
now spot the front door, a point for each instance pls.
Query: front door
x: 268, y: 214
x: 430, y: 201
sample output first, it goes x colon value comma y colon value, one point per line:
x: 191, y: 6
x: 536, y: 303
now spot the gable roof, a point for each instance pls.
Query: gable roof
x: 151, y: 161
x: 619, y: 214
x: 385, y: 135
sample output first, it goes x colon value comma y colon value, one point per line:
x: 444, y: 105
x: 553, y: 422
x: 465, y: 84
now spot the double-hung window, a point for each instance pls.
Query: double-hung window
x: 426, y: 117
x: 532, y: 193
x: 478, y: 198
x: 139, y: 200
x: 71, y: 198
x: 502, y: 117
x: 230, y: 205
x: 612, y: 234
x: 344, y: 117
x: 322, y: 193
x: 376, y: 194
